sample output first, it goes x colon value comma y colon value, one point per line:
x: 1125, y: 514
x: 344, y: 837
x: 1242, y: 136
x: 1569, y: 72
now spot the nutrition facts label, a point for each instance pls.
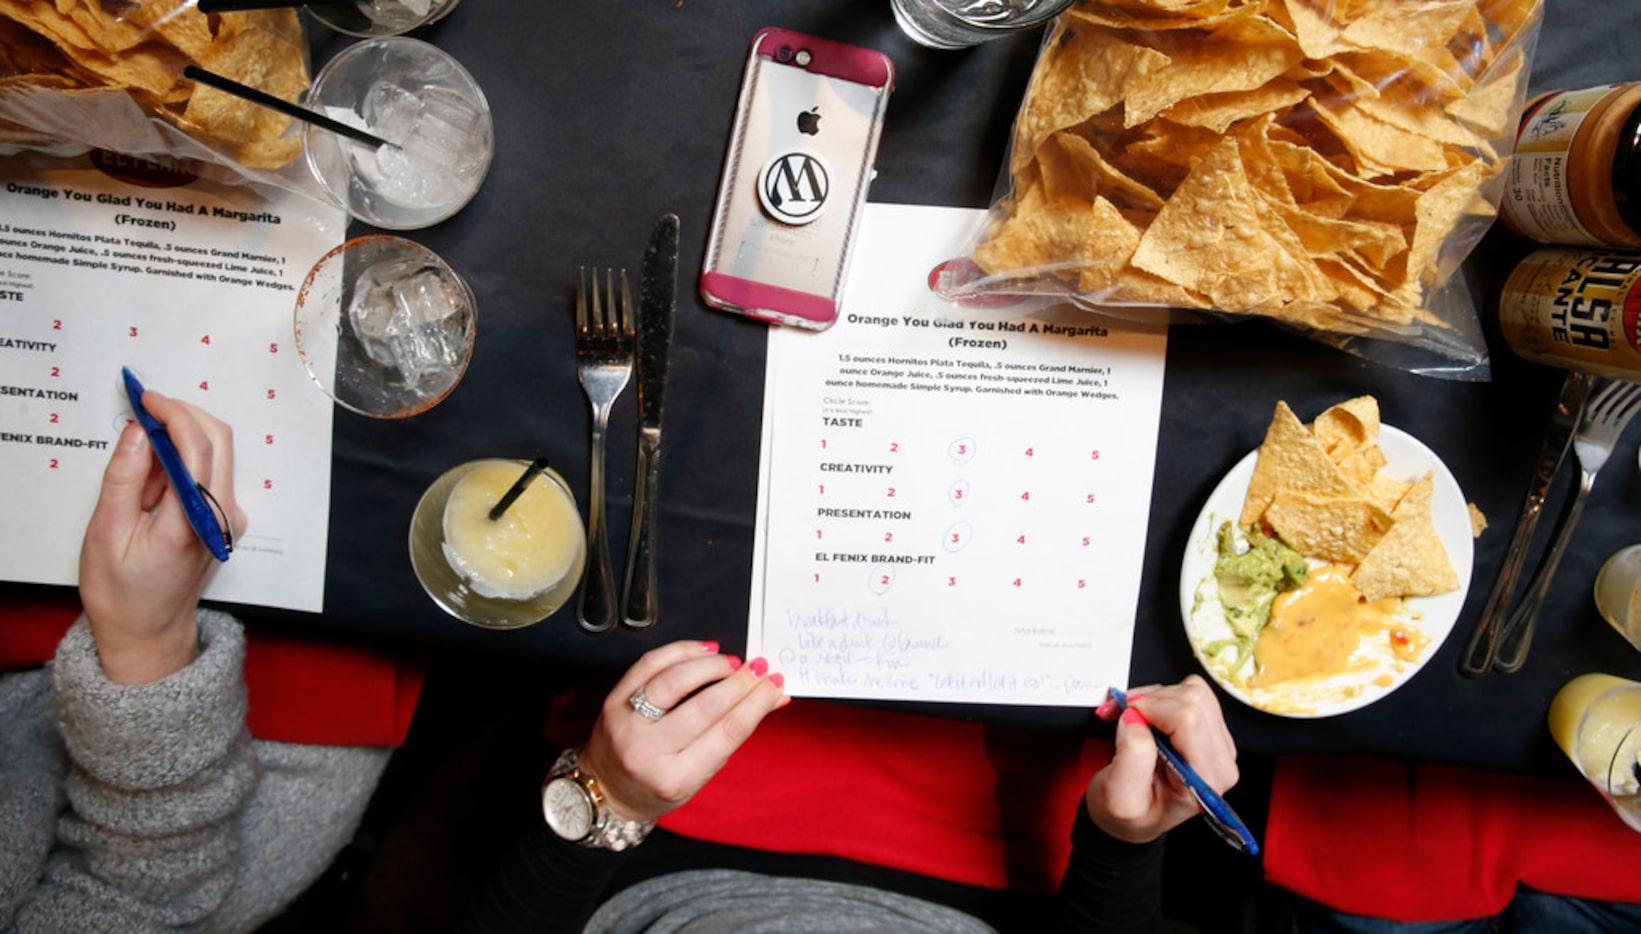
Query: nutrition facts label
x: 107, y: 263
x: 953, y: 502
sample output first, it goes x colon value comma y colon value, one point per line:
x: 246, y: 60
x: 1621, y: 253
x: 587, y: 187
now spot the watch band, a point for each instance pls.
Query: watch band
x: 610, y: 831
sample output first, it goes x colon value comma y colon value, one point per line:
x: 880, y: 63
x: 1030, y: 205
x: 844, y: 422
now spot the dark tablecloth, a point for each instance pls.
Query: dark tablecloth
x: 608, y: 115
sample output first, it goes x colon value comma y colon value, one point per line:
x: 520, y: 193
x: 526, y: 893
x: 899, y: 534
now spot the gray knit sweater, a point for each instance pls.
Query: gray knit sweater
x: 150, y: 808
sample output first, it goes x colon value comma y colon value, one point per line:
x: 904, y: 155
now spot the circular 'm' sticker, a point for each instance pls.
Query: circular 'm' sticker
x: 793, y: 186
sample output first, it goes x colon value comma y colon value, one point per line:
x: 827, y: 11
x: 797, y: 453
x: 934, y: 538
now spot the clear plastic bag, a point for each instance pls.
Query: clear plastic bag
x: 78, y: 75
x: 1325, y: 163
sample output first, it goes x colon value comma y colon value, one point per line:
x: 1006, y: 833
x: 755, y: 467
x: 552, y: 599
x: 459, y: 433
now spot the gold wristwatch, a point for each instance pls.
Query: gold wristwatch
x: 575, y: 808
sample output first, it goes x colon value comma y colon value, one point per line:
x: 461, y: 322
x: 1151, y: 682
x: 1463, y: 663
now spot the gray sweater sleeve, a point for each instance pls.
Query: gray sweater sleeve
x: 176, y: 818
x: 158, y: 775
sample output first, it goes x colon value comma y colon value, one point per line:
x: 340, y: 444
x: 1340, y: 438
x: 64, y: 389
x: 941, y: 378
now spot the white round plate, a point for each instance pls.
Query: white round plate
x: 1406, y: 459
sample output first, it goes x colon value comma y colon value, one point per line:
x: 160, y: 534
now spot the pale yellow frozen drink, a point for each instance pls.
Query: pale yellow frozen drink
x: 523, y: 552
x: 1594, y: 719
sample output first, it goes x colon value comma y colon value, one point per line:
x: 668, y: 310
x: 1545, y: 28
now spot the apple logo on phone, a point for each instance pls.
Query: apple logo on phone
x: 809, y: 121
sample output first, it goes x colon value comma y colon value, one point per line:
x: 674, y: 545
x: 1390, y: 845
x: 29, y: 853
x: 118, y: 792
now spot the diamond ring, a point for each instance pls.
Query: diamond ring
x: 645, y: 709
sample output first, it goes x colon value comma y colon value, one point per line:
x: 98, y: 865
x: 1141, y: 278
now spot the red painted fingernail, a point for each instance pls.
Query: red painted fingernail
x: 778, y: 679
x: 1104, y: 710
x: 1134, y: 697
x: 709, y: 646
x: 1133, y: 716
x: 758, y: 666
x: 734, y: 662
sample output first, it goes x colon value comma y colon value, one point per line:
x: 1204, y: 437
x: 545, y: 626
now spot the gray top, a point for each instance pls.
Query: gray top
x: 707, y: 901
x: 150, y: 807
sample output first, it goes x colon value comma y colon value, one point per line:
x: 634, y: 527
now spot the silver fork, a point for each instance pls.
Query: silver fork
x: 603, y: 350
x: 1608, y: 412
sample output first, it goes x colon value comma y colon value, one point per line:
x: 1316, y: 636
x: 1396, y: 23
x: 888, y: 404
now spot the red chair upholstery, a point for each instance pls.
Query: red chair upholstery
x: 1416, y: 842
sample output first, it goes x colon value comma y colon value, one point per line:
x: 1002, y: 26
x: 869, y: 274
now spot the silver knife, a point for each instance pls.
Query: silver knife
x: 1575, y: 389
x: 657, y: 299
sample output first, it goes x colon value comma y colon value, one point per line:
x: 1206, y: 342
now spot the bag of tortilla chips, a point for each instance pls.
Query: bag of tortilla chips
x: 1324, y: 163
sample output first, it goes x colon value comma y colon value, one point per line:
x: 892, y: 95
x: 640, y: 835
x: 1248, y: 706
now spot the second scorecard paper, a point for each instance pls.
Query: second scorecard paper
x: 193, y: 288
x: 952, y: 502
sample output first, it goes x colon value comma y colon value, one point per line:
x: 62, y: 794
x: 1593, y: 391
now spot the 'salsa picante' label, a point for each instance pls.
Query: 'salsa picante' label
x: 1576, y: 308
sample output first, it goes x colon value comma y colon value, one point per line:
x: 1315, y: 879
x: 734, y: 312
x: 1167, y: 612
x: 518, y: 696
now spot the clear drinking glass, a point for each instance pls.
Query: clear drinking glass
x: 384, y: 326
x: 1596, y: 720
x: 370, y: 18
x: 433, y: 116
x: 956, y: 24
x: 504, y: 573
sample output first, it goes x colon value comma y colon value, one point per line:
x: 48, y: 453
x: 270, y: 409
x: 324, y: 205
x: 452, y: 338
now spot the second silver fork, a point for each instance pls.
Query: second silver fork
x: 1604, y: 419
x: 604, y: 352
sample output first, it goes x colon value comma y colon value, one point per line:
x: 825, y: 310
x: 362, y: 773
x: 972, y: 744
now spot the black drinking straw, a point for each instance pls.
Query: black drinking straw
x: 229, y: 86
x: 231, y: 6
x: 530, y: 472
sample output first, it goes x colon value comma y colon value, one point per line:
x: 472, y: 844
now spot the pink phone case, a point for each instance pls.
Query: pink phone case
x: 800, y: 159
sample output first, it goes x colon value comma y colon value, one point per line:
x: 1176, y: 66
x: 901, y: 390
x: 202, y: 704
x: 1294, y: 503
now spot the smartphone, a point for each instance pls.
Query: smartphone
x: 800, y: 158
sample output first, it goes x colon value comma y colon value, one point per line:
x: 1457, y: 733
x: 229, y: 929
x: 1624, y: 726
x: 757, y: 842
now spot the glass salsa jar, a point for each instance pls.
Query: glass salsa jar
x: 1575, y: 177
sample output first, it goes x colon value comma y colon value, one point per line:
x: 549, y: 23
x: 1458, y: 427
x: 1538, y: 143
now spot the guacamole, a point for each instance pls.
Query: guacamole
x: 1250, y: 581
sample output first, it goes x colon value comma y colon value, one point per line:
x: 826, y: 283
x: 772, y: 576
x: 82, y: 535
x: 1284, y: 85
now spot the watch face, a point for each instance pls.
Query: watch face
x: 568, y: 808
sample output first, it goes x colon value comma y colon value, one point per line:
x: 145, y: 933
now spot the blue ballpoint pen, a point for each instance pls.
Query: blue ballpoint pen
x: 1215, y: 811
x: 193, y: 496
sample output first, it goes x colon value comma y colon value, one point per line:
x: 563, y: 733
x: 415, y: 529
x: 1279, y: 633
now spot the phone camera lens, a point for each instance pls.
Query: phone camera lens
x: 785, y: 53
x: 802, y: 57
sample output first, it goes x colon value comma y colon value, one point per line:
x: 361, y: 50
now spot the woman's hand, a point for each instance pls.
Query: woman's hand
x: 712, y: 702
x: 142, y: 568
x: 1136, y: 798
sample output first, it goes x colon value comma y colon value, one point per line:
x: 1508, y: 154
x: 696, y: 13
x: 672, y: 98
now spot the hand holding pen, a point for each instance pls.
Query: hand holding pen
x: 1136, y: 799
x: 142, y: 564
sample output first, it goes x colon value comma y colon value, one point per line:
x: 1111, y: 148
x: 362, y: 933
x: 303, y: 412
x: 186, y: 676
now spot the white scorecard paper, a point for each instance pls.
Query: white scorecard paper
x: 193, y: 287
x: 952, y: 504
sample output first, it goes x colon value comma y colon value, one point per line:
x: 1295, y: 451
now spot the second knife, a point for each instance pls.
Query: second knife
x: 1478, y: 655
